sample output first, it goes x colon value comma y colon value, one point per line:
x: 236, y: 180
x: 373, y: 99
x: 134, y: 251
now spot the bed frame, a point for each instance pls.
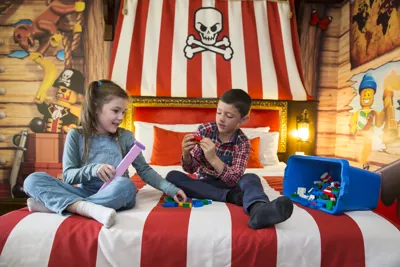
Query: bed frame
x: 169, y: 111
x: 272, y: 113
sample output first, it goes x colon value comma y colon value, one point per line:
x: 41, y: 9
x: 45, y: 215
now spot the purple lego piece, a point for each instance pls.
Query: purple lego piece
x: 126, y: 161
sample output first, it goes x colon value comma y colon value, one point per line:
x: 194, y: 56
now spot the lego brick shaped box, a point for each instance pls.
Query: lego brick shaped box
x: 45, y: 148
x: 330, y: 185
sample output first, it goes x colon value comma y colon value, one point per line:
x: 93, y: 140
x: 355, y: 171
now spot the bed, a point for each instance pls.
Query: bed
x: 213, y: 235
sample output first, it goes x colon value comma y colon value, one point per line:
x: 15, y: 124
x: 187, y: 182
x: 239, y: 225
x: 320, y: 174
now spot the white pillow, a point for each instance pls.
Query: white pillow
x: 248, y: 131
x: 269, y: 142
x: 144, y: 133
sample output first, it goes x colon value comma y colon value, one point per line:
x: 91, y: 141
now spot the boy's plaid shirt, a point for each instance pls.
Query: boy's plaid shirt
x: 234, y: 154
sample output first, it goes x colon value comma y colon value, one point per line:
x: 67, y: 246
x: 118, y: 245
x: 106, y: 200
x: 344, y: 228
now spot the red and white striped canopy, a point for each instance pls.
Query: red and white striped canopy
x: 201, y: 48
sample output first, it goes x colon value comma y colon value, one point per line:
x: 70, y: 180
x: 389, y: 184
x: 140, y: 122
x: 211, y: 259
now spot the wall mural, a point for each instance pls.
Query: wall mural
x: 43, y: 55
x: 374, y: 29
x: 376, y: 111
x: 321, y: 23
x: 59, y: 25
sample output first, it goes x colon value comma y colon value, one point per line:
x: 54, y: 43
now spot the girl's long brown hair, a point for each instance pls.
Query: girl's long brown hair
x: 99, y: 93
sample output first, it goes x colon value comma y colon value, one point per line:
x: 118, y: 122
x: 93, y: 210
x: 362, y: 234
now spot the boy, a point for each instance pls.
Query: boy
x: 220, y: 159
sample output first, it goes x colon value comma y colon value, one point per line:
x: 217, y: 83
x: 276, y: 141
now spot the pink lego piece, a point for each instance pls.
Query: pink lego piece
x: 126, y: 161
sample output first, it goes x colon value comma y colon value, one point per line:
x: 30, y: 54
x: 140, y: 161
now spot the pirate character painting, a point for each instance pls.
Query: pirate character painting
x: 365, y: 120
x: 61, y: 115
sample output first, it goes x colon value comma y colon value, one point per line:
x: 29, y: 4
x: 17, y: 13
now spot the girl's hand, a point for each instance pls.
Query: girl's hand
x: 106, y: 172
x: 180, y: 196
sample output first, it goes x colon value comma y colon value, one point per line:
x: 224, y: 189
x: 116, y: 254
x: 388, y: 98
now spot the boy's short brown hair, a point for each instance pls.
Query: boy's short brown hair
x: 239, y: 99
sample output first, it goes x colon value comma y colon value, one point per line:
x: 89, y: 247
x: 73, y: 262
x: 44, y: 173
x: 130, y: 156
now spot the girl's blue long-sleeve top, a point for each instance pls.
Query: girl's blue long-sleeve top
x: 105, y: 150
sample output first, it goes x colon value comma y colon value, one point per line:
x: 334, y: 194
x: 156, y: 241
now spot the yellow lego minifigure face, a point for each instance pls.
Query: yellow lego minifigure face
x: 67, y: 95
x: 367, y: 97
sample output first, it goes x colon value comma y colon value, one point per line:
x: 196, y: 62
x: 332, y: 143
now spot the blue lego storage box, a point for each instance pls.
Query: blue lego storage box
x: 359, y: 189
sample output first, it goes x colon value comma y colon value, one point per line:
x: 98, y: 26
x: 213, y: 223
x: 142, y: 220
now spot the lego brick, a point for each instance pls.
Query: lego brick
x: 169, y: 199
x: 170, y: 205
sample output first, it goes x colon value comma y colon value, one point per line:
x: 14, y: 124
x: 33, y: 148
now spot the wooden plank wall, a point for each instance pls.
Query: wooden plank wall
x: 22, y: 77
x: 335, y: 91
x: 319, y: 51
x: 20, y: 80
x: 97, y: 52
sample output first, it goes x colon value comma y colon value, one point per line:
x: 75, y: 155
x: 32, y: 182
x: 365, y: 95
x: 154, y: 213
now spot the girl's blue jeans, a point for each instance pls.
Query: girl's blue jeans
x: 57, y: 195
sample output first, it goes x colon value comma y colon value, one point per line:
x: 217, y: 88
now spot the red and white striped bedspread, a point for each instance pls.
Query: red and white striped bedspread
x: 214, y: 235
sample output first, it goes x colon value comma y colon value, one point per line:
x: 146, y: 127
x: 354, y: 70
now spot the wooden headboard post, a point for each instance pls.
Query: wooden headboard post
x: 276, y: 113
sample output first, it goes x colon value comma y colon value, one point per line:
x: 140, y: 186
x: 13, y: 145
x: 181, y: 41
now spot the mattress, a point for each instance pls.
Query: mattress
x: 213, y: 235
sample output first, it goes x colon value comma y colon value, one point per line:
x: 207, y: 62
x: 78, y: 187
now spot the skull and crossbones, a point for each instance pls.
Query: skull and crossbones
x: 208, y: 23
x: 66, y: 77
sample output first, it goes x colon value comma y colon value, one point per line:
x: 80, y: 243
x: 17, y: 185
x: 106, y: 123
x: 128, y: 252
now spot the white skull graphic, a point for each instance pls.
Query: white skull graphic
x: 208, y: 23
x: 66, y: 77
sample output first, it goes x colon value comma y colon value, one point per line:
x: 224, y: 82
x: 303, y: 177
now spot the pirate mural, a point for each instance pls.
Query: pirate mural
x: 47, y: 27
x: 54, y: 27
x: 378, y: 127
x: 51, y: 27
x: 61, y: 115
x: 208, y: 23
x: 60, y: 23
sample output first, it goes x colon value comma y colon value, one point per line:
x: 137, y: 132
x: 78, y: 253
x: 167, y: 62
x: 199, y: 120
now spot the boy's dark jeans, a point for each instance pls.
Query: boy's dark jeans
x: 216, y: 189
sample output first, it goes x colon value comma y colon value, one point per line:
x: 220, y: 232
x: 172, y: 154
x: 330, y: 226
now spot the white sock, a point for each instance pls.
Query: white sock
x: 104, y: 215
x: 34, y: 206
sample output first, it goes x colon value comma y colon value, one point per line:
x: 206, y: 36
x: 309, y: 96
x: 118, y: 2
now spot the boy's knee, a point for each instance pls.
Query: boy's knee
x: 175, y: 176
x: 33, y: 181
x: 250, y: 176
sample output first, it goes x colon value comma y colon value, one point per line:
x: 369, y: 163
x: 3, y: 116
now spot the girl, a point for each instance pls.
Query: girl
x: 91, y: 154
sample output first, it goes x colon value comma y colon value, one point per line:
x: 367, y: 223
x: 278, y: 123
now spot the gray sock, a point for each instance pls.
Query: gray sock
x: 265, y: 214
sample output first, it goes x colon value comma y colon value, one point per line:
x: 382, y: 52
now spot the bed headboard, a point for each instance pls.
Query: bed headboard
x: 190, y: 111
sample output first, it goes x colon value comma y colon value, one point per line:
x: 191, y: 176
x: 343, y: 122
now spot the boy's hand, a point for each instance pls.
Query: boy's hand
x: 208, y: 148
x: 106, y: 172
x: 180, y: 196
x: 187, y: 145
